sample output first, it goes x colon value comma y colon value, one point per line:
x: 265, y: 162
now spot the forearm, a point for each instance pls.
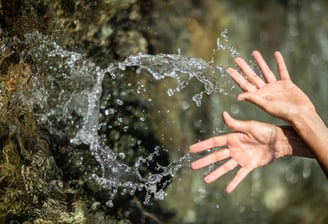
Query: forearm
x: 310, y: 127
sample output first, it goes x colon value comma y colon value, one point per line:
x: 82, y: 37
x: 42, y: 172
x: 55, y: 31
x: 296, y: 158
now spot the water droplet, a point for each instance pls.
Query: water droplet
x: 125, y: 128
x: 110, y: 204
x: 170, y: 92
x: 121, y: 66
x: 185, y: 105
x: 197, y: 98
x: 119, y: 102
x: 121, y: 155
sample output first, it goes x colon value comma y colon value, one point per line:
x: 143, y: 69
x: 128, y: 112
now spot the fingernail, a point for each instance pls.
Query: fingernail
x: 255, y: 52
x: 237, y: 60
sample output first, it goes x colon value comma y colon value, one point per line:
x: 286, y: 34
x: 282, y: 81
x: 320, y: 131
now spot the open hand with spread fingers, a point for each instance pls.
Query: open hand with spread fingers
x: 279, y: 97
x: 251, y: 145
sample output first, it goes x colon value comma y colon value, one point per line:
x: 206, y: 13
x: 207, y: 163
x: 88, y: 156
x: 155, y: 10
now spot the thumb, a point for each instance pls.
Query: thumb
x: 234, y: 124
x: 253, y: 98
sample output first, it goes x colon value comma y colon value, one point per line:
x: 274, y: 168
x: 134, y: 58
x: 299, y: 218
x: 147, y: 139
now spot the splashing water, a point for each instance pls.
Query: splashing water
x: 67, y: 89
x: 162, y: 66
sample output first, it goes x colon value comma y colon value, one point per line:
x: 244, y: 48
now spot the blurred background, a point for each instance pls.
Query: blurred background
x: 42, y: 178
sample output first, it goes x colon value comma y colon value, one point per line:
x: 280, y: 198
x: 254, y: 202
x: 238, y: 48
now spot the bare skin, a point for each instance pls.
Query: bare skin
x: 254, y: 144
x: 280, y: 98
x: 283, y: 99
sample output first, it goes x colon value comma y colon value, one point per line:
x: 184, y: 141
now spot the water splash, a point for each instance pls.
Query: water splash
x: 160, y: 66
x: 66, y: 97
x: 222, y: 45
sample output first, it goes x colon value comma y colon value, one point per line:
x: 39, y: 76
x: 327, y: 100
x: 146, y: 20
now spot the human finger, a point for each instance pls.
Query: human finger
x: 243, y: 83
x: 239, y: 177
x: 249, y: 73
x: 208, y: 144
x: 210, y: 159
x: 282, y: 68
x: 253, y: 98
x: 234, y: 124
x: 265, y: 70
x: 221, y: 170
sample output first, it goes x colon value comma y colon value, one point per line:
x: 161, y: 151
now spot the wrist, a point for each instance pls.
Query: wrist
x: 313, y: 131
x: 306, y: 122
x: 282, y: 145
x: 297, y: 115
x: 291, y: 144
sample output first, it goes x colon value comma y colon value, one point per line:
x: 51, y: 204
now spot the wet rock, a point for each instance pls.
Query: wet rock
x: 45, y: 179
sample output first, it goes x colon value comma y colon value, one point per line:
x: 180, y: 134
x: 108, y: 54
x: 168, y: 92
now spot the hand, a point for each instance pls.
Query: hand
x: 281, y: 98
x: 252, y: 144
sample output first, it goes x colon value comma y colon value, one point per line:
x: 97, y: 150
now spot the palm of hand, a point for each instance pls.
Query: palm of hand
x: 254, y: 149
x: 280, y: 98
x: 252, y: 145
